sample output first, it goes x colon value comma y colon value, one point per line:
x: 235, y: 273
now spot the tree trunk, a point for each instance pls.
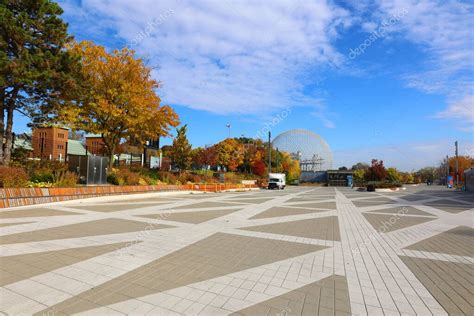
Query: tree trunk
x: 10, y: 107
x: 8, y: 136
x: 2, y: 127
x: 111, y: 152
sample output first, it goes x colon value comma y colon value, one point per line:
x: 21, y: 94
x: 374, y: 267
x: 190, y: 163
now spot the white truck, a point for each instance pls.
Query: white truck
x: 276, y: 181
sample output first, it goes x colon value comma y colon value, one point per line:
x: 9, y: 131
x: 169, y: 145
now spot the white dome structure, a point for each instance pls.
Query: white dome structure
x: 309, y: 148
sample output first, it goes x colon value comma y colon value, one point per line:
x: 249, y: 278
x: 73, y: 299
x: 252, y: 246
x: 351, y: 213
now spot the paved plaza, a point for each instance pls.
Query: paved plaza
x: 301, y: 251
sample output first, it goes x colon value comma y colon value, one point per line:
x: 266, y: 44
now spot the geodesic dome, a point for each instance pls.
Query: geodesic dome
x: 309, y: 148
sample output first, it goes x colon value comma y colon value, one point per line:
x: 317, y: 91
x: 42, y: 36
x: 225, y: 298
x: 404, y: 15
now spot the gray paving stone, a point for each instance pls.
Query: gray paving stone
x: 316, y: 298
x: 389, y: 223
x: 217, y: 255
x: 189, y: 217
x: 317, y: 228
x: 284, y: 211
x: 403, y: 209
x: 446, y: 282
x: 34, y: 212
x: 457, y: 241
x: 449, y: 206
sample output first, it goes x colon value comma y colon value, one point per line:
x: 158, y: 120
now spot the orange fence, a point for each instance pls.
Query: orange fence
x: 29, y: 196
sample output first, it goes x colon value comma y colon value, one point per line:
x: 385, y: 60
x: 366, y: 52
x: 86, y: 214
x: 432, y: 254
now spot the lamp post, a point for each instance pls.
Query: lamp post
x: 228, y: 126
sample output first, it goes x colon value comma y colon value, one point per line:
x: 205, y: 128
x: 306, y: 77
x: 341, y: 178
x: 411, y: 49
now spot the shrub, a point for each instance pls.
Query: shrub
x: 49, y: 172
x: 233, y: 177
x: 166, y: 177
x: 131, y: 178
x: 39, y: 184
x: 382, y: 185
x: 154, y: 181
x: 387, y: 185
x: 124, y: 177
x: 144, y: 180
x: 112, y: 178
x: 13, y: 177
x: 189, y: 177
x: 42, y: 175
x: 195, y: 178
x: 262, y: 183
x: 66, y: 179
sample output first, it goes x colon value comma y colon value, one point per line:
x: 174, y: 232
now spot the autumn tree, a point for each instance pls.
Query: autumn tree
x: 250, y: 147
x: 119, y: 99
x: 36, y: 71
x: 259, y: 168
x: 290, y: 166
x: 204, y: 157
x: 257, y: 164
x: 360, y: 166
x: 407, y: 177
x: 230, y: 153
x: 464, y: 162
x: 359, y: 176
x: 180, y: 153
x: 376, y: 171
x: 393, y: 175
x: 165, y: 150
x: 196, y: 154
x: 425, y: 174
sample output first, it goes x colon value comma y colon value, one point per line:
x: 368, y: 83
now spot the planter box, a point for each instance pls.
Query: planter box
x: 29, y: 196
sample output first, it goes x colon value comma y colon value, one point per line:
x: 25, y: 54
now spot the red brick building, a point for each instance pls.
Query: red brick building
x: 95, y: 144
x: 50, y: 143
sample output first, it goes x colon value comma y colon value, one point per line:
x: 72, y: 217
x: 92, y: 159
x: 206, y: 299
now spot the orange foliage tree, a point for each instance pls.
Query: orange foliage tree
x: 119, y: 99
x: 258, y: 164
x: 464, y: 162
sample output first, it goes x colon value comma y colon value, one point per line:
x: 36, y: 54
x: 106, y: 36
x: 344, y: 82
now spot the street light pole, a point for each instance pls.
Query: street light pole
x: 228, y: 126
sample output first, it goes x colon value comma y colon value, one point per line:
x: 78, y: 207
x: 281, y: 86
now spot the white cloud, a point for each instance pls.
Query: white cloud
x: 323, y: 116
x: 253, y: 57
x: 230, y: 57
x: 461, y: 110
x: 444, y: 31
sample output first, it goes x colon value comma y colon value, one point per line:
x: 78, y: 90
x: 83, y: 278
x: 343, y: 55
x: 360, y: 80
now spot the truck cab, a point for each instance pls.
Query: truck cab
x: 276, y: 181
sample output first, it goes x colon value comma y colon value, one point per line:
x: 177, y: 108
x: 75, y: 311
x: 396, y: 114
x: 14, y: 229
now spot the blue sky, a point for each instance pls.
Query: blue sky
x: 386, y: 79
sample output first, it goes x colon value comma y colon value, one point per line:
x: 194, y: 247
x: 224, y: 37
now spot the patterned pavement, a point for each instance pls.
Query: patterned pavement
x: 302, y: 251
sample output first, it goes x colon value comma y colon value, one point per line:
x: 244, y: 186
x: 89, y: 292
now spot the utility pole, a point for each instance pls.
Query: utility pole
x: 269, y: 152
x: 457, y: 163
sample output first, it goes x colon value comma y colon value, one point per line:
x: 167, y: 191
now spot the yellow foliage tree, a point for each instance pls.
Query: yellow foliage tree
x: 230, y: 153
x: 119, y: 99
x: 290, y: 166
